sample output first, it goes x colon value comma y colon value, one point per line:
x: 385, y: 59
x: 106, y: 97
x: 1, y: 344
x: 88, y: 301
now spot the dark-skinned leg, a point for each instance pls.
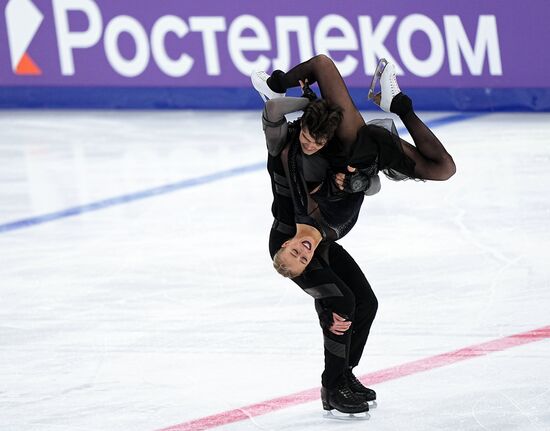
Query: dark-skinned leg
x: 432, y: 160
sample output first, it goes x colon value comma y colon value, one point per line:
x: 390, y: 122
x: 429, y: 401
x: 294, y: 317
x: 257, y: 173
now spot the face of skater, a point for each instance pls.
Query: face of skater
x: 295, y: 255
x: 318, y: 125
x: 309, y: 144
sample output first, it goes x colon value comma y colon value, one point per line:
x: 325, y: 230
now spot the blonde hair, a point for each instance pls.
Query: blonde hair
x: 280, y: 267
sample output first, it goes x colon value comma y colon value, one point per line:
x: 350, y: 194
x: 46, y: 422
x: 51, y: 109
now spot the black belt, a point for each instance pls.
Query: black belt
x: 283, y: 227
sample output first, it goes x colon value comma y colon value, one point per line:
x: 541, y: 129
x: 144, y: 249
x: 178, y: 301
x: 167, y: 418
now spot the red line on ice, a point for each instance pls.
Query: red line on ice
x: 392, y: 373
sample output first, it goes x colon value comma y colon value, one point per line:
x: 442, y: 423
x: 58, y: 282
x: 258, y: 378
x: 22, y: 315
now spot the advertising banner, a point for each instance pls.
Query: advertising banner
x: 144, y: 50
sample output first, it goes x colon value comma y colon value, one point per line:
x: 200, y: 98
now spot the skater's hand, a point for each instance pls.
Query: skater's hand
x: 340, y: 178
x: 307, y: 92
x: 340, y: 324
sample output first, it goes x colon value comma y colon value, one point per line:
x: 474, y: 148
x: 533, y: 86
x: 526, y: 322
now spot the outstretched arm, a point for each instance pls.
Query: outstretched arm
x: 274, y: 122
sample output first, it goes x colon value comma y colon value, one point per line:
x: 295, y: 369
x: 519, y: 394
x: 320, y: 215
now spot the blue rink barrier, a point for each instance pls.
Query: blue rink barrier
x: 428, y: 99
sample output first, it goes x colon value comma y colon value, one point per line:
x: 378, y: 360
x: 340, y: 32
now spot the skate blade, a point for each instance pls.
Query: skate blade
x: 339, y: 416
x: 373, y: 404
x: 376, y: 78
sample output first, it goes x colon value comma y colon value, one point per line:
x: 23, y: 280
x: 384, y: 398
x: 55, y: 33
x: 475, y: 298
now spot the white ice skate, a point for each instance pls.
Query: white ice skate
x: 376, y: 77
x: 259, y: 81
x: 385, y: 74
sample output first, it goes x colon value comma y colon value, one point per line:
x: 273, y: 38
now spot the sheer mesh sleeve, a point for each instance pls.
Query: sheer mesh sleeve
x: 274, y: 122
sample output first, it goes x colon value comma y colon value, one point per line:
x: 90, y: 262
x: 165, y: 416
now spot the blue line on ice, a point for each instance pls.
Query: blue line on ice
x: 180, y: 185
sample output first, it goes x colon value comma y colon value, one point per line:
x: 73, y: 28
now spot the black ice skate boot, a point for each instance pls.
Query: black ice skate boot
x: 343, y: 399
x: 356, y: 386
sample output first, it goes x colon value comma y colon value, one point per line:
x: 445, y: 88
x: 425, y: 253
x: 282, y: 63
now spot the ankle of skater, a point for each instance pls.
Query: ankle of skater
x: 275, y: 81
x: 402, y: 106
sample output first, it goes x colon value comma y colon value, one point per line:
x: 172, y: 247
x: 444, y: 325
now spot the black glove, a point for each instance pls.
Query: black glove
x: 355, y: 182
x: 325, y: 319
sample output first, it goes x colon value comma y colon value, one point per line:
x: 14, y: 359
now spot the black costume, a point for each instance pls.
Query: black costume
x: 332, y: 277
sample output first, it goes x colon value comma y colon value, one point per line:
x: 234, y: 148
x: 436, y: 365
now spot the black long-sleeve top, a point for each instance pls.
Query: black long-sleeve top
x: 294, y: 175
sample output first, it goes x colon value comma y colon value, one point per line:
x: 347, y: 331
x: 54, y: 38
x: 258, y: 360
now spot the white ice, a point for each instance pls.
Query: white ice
x: 150, y: 314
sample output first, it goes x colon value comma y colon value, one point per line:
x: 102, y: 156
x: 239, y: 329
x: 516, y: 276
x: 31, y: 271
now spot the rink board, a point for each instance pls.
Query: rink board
x: 139, y: 54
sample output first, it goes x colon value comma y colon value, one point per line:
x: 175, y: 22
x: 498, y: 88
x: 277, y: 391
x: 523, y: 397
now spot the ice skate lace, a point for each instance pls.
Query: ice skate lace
x: 393, y: 85
x: 353, y: 380
x: 261, y: 76
x: 347, y: 393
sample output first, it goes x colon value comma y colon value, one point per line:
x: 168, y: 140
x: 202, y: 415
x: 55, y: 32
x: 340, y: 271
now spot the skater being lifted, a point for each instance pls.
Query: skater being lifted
x: 354, y: 151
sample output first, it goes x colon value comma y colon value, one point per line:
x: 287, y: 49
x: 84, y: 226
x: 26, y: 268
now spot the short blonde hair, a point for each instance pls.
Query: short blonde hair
x: 280, y: 267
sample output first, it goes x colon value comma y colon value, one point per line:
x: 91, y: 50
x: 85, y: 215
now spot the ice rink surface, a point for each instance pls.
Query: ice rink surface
x: 136, y: 290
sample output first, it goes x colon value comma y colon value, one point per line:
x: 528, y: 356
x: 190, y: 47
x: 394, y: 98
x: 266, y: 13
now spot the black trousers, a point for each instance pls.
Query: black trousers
x: 338, y: 285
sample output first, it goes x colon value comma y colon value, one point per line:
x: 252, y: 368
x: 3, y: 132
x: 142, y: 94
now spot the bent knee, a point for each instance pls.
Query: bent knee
x: 324, y: 60
x: 367, y: 307
x: 449, y: 168
x: 440, y: 170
